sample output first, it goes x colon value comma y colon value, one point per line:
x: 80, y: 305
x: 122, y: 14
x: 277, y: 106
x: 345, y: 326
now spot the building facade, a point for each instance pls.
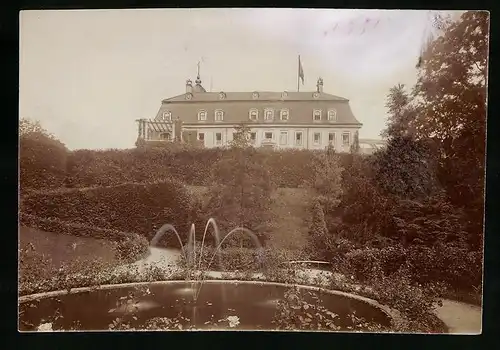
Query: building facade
x: 303, y: 120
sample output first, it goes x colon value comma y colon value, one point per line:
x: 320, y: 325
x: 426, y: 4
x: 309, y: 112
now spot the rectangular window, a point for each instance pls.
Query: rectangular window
x: 298, y: 138
x: 283, y: 138
x: 317, y: 138
x: 201, y: 136
x: 346, y: 139
x: 253, y: 136
x: 284, y: 114
x: 218, y: 138
x: 268, y: 114
x: 331, y: 138
x: 268, y: 135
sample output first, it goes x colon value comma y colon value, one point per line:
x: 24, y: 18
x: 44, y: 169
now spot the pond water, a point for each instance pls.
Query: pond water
x: 253, y: 305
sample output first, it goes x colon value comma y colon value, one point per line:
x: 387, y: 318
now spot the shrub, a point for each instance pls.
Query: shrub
x: 405, y: 168
x: 42, y: 158
x: 132, y: 248
x: 138, y: 208
x: 241, y: 192
x: 317, y: 239
x: 415, y: 302
x: 191, y: 165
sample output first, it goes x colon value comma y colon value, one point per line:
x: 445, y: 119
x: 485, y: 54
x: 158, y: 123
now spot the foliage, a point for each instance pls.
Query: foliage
x: 153, y: 205
x: 415, y: 302
x: 400, y: 113
x: 304, y: 310
x: 38, y: 275
x: 327, y: 174
x: 355, y: 144
x: 42, y: 158
x: 405, y: 168
x: 451, y: 94
x: 318, y: 235
x: 191, y: 165
x: 132, y: 248
x: 241, y: 138
x: 241, y: 192
x: 427, y: 222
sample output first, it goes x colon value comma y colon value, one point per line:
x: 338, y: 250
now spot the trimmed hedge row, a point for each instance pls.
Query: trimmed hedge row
x: 288, y: 168
x: 131, y: 247
x: 42, y: 161
x: 138, y: 208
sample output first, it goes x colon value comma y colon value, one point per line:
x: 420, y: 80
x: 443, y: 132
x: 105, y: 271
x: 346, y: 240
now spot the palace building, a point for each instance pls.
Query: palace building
x: 304, y: 120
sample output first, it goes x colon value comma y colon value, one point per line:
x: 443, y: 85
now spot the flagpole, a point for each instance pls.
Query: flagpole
x: 298, y: 77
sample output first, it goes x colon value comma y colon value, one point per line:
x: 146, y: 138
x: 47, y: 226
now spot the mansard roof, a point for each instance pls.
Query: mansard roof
x: 255, y: 96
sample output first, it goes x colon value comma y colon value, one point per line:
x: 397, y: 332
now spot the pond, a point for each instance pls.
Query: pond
x: 241, y: 305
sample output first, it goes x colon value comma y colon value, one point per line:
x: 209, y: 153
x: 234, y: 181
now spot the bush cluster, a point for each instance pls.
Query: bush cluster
x: 42, y: 161
x: 48, y: 164
x: 137, y: 208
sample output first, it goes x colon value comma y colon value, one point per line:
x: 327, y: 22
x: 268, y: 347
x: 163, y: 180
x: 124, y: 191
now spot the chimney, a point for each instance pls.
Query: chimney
x: 189, y: 86
x: 319, y: 85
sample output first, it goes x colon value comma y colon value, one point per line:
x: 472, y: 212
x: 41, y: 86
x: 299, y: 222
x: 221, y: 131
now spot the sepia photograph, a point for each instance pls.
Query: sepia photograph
x: 252, y: 169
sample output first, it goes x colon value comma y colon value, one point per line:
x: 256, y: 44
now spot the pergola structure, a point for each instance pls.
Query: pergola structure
x: 146, y: 126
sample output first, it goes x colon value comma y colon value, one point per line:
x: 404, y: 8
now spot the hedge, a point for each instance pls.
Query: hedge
x: 42, y: 161
x: 131, y: 207
x: 288, y: 168
x: 131, y: 247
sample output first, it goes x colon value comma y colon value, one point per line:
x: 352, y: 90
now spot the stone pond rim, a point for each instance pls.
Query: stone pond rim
x: 393, y: 315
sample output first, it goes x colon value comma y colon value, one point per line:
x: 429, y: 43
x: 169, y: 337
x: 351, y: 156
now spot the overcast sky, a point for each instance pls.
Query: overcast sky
x: 87, y: 75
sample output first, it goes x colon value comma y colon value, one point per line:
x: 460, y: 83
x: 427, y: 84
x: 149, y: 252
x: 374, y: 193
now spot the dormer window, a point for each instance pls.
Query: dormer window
x: 284, y: 94
x: 268, y: 114
x: 284, y: 114
x: 255, y: 95
x: 219, y: 115
x: 317, y: 115
x: 332, y: 115
x: 202, y: 115
x: 167, y: 116
x: 189, y: 96
x: 253, y: 114
x: 222, y: 95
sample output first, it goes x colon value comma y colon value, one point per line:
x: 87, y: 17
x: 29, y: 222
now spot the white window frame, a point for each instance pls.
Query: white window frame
x: 222, y: 115
x: 265, y: 136
x: 316, y: 111
x: 348, y: 138
x: 332, y: 115
x: 284, y: 112
x: 167, y: 116
x: 218, y: 142
x: 266, y: 110
x: 319, y: 138
x: 283, y: 133
x: 301, y: 143
x: 200, y: 113
x: 332, y: 142
x: 252, y: 111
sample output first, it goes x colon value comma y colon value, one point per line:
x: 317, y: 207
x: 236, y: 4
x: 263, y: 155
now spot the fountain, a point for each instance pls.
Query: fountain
x: 248, y: 305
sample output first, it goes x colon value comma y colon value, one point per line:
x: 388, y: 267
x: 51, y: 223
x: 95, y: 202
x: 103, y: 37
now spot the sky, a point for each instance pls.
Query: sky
x: 88, y: 75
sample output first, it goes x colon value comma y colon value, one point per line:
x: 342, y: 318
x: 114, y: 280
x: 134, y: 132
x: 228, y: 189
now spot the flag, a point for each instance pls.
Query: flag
x: 301, y: 72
